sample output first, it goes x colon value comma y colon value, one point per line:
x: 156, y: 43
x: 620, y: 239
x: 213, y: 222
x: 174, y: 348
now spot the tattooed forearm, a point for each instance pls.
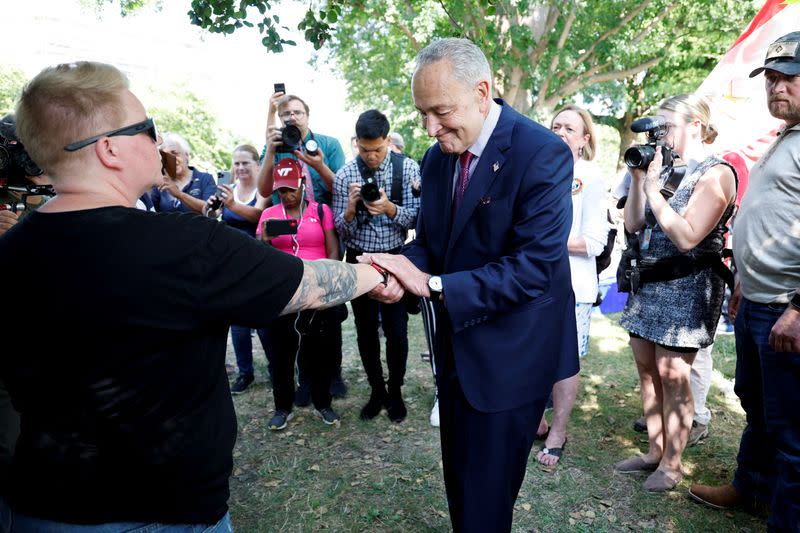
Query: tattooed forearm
x: 325, y: 283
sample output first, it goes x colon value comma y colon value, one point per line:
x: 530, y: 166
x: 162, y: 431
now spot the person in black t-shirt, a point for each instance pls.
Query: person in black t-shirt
x: 126, y: 413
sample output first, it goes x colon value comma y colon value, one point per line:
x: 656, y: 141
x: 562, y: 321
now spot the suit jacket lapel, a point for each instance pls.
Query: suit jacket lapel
x: 490, y: 165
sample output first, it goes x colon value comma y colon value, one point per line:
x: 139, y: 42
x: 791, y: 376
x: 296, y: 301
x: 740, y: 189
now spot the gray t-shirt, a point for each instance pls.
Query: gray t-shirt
x: 766, y: 233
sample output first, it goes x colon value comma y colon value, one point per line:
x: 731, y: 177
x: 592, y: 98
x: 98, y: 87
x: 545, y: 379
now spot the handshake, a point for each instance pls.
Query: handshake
x: 403, y: 277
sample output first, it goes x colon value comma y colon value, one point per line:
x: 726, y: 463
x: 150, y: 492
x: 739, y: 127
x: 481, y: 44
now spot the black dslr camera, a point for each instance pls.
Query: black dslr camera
x: 640, y: 156
x: 16, y: 166
x: 370, y: 190
x: 292, y: 139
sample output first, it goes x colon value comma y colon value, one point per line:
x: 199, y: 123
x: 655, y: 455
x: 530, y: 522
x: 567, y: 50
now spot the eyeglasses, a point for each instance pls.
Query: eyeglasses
x: 146, y: 126
x: 290, y: 114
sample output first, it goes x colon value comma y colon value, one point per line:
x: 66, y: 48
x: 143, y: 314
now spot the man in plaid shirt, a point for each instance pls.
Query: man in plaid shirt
x: 369, y: 219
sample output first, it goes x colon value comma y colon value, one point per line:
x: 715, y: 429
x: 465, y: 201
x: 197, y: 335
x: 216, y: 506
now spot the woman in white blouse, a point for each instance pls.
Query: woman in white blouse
x: 587, y: 239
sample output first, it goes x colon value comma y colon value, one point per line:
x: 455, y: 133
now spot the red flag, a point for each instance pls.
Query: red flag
x: 739, y: 103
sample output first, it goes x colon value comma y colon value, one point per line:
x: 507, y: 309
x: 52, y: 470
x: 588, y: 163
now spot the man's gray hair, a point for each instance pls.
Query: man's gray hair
x: 170, y: 137
x: 397, y: 139
x: 468, y: 61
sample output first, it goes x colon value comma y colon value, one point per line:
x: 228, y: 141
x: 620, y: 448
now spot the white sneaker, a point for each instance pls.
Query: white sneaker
x: 435, y: 414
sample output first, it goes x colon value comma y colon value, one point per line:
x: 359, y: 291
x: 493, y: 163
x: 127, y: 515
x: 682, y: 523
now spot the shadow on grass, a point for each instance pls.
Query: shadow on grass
x: 379, y: 476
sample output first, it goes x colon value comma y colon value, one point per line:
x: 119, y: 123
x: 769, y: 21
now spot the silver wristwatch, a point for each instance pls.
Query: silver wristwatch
x: 435, y: 286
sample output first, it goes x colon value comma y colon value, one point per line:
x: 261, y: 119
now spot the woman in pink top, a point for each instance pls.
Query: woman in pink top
x: 307, y: 334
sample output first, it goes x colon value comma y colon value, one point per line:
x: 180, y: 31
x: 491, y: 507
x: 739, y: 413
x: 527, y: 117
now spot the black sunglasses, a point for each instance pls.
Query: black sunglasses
x: 146, y: 126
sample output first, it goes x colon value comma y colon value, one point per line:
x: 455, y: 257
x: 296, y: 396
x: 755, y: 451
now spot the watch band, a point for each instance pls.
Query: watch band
x: 383, y: 273
x: 795, y: 301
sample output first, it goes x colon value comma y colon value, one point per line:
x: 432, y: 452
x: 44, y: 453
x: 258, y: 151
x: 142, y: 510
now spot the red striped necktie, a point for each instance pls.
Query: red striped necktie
x: 463, y: 177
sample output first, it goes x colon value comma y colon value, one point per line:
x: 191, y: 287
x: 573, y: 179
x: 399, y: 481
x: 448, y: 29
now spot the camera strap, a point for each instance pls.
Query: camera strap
x: 680, y: 266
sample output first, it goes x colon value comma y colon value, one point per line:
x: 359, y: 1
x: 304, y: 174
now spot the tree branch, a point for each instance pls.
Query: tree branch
x: 553, y: 14
x: 453, y: 21
x: 661, y: 16
x: 591, y: 77
x: 559, y: 46
x: 613, y: 31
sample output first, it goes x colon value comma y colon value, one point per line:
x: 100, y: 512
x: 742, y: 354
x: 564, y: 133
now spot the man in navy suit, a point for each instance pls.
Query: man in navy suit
x: 491, y: 254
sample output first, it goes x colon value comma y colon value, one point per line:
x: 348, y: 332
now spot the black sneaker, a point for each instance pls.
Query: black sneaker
x: 338, y: 387
x: 302, y: 396
x: 327, y: 415
x: 241, y: 384
x: 279, y: 420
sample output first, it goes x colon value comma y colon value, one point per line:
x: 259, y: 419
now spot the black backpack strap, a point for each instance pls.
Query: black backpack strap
x: 397, y: 178
x: 320, y: 213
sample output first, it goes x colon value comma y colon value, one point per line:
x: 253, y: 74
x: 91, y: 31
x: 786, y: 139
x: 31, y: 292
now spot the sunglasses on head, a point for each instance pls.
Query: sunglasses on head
x: 148, y: 126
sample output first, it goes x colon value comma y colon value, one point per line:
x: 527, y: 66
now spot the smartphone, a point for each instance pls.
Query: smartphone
x: 168, y: 164
x: 280, y: 226
x: 280, y: 88
x: 223, y: 177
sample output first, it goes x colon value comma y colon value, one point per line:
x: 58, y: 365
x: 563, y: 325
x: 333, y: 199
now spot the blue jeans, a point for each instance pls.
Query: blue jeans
x: 11, y: 522
x: 768, y: 385
x: 243, y: 348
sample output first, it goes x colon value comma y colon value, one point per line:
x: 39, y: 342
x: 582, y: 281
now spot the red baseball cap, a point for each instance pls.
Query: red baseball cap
x: 287, y: 173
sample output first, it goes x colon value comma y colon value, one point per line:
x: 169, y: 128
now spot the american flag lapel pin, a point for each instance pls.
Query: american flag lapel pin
x: 496, y: 166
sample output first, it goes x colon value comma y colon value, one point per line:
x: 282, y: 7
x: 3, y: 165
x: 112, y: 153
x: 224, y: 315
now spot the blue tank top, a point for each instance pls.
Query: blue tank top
x: 239, y: 222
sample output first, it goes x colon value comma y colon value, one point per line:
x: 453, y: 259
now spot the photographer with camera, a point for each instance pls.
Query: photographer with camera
x: 127, y: 418
x: 370, y: 220
x: 321, y: 156
x: 674, y: 272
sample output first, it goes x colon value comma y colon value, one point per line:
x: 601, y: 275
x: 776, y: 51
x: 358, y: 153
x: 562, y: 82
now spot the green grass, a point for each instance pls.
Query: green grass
x: 379, y: 476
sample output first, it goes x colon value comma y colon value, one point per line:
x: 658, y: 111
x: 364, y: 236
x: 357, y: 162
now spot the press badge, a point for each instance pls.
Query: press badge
x: 648, y: 232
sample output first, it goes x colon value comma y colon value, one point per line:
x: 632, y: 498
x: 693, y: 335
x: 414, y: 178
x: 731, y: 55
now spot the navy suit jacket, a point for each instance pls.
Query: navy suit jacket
x: 504, y: 263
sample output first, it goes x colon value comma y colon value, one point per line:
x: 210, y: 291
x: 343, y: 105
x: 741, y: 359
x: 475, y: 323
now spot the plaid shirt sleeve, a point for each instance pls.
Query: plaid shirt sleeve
x: 341, y: 182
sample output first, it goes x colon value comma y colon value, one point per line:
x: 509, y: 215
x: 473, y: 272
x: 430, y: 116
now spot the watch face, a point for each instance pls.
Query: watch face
x: 435, y: 283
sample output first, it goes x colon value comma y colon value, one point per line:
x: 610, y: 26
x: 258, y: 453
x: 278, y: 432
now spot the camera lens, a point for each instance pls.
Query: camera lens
x: 312, y: 147
x: 291, y: 137
x: 370, y: 190
x: 639, y: 156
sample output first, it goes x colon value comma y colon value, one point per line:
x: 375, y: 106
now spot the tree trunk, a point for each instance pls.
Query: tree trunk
x: 626, y: 136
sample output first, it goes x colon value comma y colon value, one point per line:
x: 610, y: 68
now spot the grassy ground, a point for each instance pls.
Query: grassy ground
x: 380, y: 476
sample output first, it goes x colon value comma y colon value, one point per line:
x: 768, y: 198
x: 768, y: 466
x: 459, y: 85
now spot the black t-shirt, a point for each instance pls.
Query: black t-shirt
x: 118, y: 371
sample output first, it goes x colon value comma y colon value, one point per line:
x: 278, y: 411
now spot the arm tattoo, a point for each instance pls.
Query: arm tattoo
x: 325, y: 283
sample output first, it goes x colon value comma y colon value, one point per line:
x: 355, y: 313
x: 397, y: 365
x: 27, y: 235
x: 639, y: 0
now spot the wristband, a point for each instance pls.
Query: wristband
x: 383, y: 273
x: 795, y: 301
